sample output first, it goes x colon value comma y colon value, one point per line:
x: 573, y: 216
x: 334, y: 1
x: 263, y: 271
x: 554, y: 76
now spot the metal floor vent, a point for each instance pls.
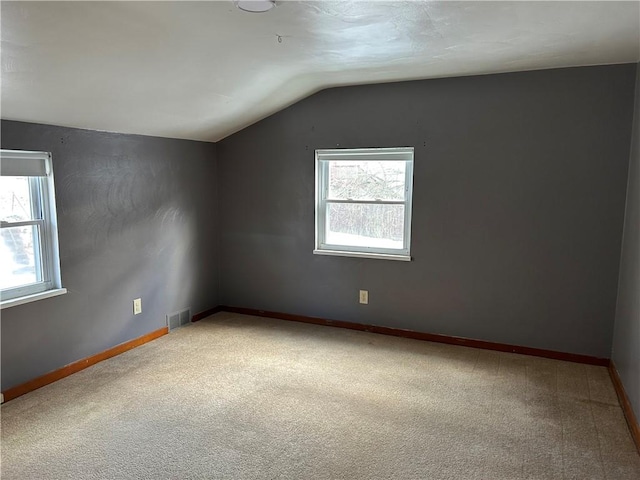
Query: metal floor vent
x: 179, y: 319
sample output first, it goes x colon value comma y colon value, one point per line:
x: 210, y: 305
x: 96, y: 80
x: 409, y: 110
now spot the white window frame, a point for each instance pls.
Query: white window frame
x: 37, y: 166
x: 323, y: 157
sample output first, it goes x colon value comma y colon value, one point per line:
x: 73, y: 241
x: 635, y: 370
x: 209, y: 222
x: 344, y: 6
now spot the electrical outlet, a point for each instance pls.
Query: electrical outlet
x: 137, y: 306
x: 364, y: 296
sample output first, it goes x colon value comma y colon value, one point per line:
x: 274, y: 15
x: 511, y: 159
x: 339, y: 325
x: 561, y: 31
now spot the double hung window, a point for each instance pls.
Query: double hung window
x: 29, y: 261
x: 363, y: 202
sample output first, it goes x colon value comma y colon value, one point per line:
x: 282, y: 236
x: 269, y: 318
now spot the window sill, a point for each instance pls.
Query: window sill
x: 378, y: 256
x: 32, y: 298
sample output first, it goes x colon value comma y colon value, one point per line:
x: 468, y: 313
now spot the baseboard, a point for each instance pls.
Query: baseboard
x: 430, y: 337
x: 632, y: 421
x: 199, y: 316
x: 74, y: 367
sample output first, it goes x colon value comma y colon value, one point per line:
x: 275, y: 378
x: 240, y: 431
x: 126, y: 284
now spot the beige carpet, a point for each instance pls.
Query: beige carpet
x: 238, y: 397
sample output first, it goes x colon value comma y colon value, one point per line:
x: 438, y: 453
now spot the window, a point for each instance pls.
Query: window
x: 363, y: 202
x: 29, y: 261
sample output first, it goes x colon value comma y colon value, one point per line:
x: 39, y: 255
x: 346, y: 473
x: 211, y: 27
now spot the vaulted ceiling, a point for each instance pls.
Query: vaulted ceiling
x: 204, y: 70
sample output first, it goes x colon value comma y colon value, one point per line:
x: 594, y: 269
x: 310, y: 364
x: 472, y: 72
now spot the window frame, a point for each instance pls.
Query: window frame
x: 322, y: 159
x: 44, y: 219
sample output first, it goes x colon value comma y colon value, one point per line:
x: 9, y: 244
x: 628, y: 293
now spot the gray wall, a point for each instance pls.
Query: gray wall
x: 519, y: 194
x: 626, y: 340
x: 137, y: 218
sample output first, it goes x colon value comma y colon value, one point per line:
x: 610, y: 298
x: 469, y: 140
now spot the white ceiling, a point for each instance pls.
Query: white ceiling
x: 203, y: 70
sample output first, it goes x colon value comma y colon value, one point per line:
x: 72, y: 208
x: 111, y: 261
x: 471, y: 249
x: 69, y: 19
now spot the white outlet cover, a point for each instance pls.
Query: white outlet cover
x: 364, y: 297
x: 137, y: 306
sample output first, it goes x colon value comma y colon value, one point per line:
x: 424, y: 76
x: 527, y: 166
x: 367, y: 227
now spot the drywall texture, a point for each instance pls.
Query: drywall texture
x: 626, y: 340
x: 519, y: 194
x: 136, y: 218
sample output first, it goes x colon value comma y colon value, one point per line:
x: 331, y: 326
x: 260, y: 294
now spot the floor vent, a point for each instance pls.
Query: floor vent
x: 179, y: 319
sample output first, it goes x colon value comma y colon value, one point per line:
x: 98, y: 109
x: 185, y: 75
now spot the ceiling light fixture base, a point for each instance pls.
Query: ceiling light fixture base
x: 255, y: 6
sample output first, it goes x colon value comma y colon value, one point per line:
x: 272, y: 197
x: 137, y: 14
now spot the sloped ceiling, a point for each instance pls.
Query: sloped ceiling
x: 204, y: 70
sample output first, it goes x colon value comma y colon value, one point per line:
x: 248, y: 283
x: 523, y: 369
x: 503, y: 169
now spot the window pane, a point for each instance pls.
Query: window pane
x: 19, y: 256
x: 365, y: 225
x: 366, y: 180
x: 16, y: 204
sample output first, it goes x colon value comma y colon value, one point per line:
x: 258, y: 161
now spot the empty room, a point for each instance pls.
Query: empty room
x: 320, y: 240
